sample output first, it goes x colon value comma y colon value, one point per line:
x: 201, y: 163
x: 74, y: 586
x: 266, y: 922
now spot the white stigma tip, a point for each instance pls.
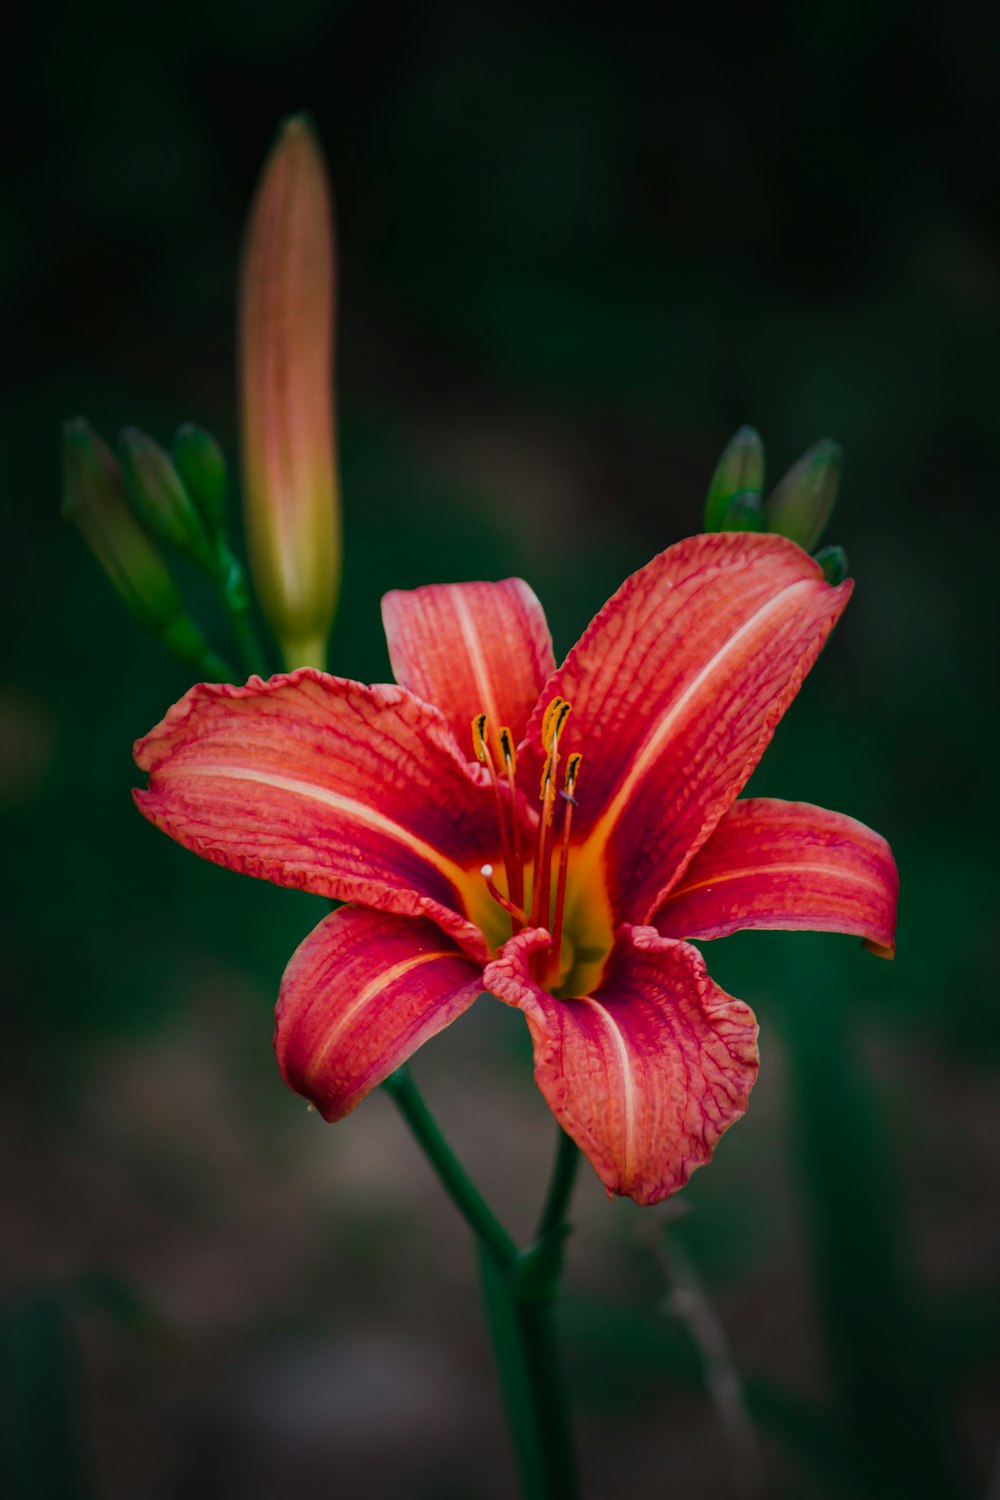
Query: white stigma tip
x: 486, y: 870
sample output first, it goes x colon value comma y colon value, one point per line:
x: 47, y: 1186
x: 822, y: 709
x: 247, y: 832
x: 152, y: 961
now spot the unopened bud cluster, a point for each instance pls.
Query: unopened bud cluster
x: 131, y: 506
x: 128, y: 507
x: 799, y: 506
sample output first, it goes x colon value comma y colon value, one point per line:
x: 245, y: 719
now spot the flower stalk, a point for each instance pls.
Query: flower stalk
x: 456, y: 1181
x: 519, y: 1289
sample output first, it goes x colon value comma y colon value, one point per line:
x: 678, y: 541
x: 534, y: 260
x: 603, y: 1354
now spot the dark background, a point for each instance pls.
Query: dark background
x: 578, y: 248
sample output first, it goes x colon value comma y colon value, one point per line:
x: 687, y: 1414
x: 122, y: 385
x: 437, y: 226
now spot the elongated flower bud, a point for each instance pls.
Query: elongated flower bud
x: 160, y: 498
x: 803, y: 501
x: 94, y: 498
x: 740, y: 471
x: 290, y: 487
x: 199, y: 461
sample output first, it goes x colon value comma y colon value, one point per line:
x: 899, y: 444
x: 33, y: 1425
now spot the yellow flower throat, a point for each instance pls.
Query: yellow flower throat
x: 556, y: 884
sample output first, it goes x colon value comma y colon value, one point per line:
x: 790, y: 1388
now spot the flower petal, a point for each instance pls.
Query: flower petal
x: 359, y: 996
x: 646, y: 1073
x: 677, y: 687
x: 315, y: 782
x: 789, y: 865
x: 471, y: 648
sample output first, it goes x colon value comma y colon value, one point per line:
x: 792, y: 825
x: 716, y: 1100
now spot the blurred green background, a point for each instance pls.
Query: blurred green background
x: 577, y: 250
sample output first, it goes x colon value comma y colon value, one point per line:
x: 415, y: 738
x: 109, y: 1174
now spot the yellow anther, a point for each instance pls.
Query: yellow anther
x: 572, y: 771
x: 479, y: 736
x: 548, y: 721
x: 507, y: 750
x: 546, y: 781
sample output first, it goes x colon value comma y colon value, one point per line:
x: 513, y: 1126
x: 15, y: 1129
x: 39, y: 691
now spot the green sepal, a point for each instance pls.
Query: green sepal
x: 160, y: 498
x: 802, y: 502
x: 740, y: 470
x: 833, y: 561
x: 201, y: 465
x: 742, y: 513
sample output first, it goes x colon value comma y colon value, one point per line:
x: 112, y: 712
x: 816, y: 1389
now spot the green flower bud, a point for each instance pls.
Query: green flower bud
x: 833, y: 561
x: 739, y: 471
x: 742, y: 513
x: 94, y: 498
x: 802, y: 503
x: 160, y: 498
x: 199, y: 461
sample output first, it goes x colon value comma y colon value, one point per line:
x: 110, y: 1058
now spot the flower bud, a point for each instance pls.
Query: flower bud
x: 803, y: 501
x: 199, y: 461
x: 833, y: 561
x: 742, y: 513
x: 159, y: 497
x: 94, y: 497
x: 740, y: 471
x: 290, y: 486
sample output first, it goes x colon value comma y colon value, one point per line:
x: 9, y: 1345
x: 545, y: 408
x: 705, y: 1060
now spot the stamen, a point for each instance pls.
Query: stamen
x: 554, y: 955
x: 520, y: 917
x: 552, y: 724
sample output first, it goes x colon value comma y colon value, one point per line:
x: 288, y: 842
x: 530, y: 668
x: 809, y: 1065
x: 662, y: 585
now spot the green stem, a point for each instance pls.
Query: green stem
x: 522, y: 1332
x: 456, y: 1181
x: 548, y: 1391
x: 247, y: 641
x: 231, y: 584
x: 183, y: 639
x: 560, y: 1187
x: 519, y: 1289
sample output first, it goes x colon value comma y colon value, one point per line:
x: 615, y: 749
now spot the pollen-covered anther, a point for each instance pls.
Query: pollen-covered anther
x: 507, y: 751
x: 479, y: 741
x: 552, y: 722
x: 572, y: 772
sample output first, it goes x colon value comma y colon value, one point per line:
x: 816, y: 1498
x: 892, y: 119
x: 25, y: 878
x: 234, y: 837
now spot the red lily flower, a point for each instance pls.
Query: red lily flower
x: 576, y: 906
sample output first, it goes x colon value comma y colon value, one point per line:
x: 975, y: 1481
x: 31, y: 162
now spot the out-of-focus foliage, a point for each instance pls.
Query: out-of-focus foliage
x: 575, y: 256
